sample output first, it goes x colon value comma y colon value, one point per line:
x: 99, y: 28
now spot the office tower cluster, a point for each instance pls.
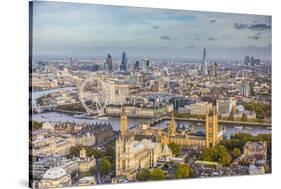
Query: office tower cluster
x: 251, y: 61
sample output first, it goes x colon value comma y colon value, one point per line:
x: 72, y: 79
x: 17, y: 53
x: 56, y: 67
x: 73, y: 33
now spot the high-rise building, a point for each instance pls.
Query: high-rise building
x: 124, y: 63
x: 247, y: 60
x: 146, y: 66
x: 245, y: 89
x: 204, y: 67
x: 137, y: 66
x: 258, y: 61
x: 108, y: 63
x: 212, y: 128
x: 214, y: 69
x: 252, y: 61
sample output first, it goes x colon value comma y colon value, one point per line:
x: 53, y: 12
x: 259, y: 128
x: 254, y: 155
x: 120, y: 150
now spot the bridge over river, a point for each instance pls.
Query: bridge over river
x: 155, y: 121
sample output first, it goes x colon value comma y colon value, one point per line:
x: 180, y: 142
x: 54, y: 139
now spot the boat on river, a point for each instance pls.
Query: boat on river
x: 249, y: 128
x: 78, y: 116
x: 238, y: 127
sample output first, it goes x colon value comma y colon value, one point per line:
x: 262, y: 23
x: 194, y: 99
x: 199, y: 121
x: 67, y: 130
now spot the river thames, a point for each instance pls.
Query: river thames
x: 56, y: 117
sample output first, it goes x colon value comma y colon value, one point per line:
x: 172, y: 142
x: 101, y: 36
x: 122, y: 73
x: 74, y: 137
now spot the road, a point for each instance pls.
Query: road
x: 97, y: 172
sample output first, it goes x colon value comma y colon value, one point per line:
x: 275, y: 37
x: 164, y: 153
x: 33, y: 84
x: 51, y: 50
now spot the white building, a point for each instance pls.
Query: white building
x: 117, y: 92
x: 55, y: 177
x: 86, y: 181
x: 226, y: 105
x: 238, y: 116
x: 200, y: 108
x: 245, y: 89
x: 52, y: 145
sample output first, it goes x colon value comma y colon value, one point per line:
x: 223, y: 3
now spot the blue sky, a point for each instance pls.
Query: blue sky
x: 77, y: 30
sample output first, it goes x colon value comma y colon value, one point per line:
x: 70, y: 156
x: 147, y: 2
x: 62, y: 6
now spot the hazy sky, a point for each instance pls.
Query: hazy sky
x: 70, y: 29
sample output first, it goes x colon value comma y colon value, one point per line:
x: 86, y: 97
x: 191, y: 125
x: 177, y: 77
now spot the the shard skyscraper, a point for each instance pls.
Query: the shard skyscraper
x: 204, y: 67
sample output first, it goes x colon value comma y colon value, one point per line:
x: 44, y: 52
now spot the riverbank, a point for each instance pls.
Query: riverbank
x: 47, y: 90
x: 226, y: 122
x: 69, y: 112
x: 246, y: 123
x: 153, y: 120
x: 56, y: 117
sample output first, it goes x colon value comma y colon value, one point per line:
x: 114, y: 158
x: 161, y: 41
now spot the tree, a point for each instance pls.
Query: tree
x: 35, y: 125
x: 267, y: 169
x: 143, y: 175
x: 244, y: 162
x: 223, y: 156
x: 242, y: 136
x: 232, y: 143
x: 262, y: 110
x: 175, y: 148
x: 157, y: 174
x: 183, y: 171
x: 236, y: 153
x: 209, y: 154
x: 109, y: 151
x: 74, y: 151
x: 217, y: 153
x: 110, y: 159
x: 96, y: 153
x: 90, y: 172
x: 105, y: 166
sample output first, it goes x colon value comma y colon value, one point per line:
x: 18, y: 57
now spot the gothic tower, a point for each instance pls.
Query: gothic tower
x: 211, y: 128
x: 172, y: 126
x: 165, y: 139
x: 123, y: 123
x: 124, y: 147
x: 124, y: 155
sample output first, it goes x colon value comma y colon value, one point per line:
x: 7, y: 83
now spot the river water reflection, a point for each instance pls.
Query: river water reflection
x: 61, y: 117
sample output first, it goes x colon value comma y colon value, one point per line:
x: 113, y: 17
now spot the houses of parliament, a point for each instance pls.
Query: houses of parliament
x: 211, y: 137
x: 143, y: 146
x: 132, y: 155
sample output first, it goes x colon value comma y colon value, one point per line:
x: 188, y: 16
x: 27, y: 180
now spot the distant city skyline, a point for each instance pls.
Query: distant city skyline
x: 78, y: 30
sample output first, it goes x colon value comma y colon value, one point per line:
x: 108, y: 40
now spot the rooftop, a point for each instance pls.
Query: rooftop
x: 54, y: 173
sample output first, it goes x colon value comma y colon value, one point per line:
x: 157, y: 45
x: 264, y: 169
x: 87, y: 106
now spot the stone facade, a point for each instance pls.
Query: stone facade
x: 211, y: 137
x: 133, y: 155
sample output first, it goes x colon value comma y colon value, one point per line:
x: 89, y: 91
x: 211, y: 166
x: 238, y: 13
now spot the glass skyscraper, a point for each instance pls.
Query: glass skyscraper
x: 108, y: 66
x: 204, y: 67
x: 124, y: 63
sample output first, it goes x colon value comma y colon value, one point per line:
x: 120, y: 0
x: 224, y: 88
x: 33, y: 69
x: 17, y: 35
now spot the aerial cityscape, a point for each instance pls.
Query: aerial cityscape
x: 125, y: 94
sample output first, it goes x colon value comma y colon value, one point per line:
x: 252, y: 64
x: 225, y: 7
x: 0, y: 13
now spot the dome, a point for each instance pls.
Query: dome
x: 54, y: 173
